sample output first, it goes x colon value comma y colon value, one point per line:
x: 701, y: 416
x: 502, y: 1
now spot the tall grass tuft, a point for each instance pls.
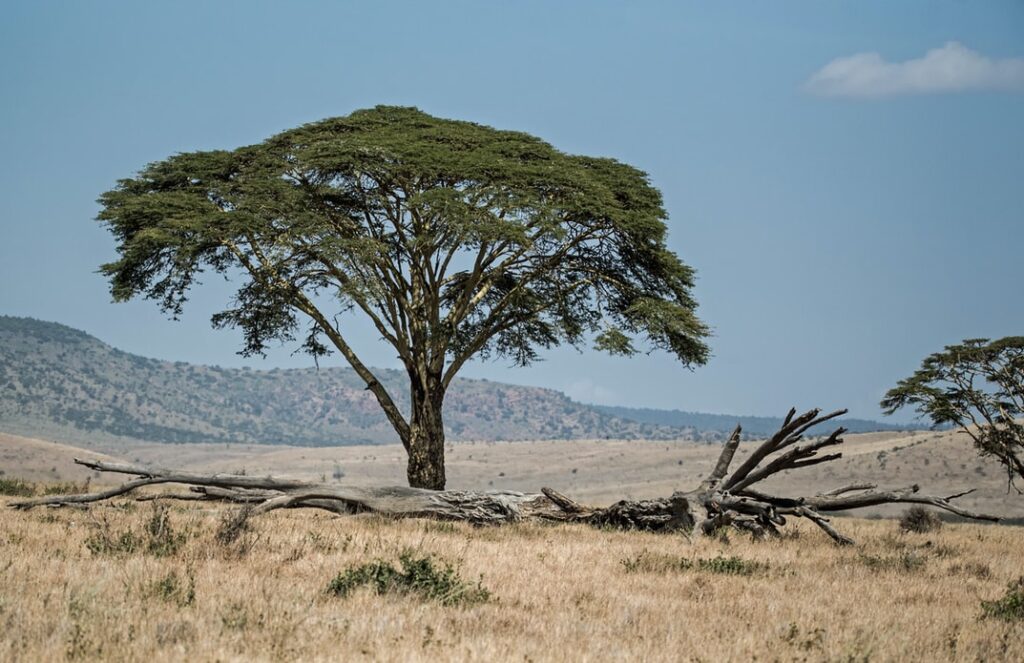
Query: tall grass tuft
x: 17, y: 488
x: 159, y: 538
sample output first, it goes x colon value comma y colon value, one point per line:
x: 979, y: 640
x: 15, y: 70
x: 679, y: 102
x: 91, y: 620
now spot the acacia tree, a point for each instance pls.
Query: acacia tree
x: 978, y: 386
x: 454, y: 239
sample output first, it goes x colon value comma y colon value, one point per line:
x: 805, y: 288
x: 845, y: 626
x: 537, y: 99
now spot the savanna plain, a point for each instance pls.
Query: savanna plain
x: 159, y: 580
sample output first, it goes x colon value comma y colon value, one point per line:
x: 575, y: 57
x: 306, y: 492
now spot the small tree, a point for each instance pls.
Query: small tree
x: 454, y: 239
x: 977, y: 386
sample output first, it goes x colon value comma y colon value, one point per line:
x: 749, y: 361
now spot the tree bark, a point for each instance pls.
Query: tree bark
x: 425, y: 443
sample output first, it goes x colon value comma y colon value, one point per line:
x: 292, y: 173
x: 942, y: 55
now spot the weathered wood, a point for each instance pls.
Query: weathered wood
x: 720, y: 500
x: 724, y: 459
x: 84, y: 498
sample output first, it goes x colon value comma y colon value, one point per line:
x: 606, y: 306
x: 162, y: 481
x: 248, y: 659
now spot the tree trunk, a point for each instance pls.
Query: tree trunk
x: 425, y: 445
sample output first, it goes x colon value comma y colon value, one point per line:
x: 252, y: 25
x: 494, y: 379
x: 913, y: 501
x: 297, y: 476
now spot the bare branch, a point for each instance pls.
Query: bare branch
x: 713, y: 505
x: 724, y: 459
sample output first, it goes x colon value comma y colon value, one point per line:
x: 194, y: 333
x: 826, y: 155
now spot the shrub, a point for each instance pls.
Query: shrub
x: 419, y: 575
x: 920, y: 520
x: 1010, y: 607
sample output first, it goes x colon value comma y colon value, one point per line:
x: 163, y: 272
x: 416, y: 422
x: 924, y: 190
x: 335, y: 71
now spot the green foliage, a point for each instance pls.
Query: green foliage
x: 1010, y: 607
x: 977, y: 385
x: 417, y: 575
x: 17, y: 488
x: 647, y: 562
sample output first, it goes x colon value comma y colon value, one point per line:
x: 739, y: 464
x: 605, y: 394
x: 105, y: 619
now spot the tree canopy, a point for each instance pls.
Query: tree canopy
x: 454, y: 239
x: 977, y: 385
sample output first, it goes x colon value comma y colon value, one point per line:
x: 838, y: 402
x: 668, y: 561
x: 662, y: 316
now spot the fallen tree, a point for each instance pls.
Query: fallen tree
x: 722, y: 500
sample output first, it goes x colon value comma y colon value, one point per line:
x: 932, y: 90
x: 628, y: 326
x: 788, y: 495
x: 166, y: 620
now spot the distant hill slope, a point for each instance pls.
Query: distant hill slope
x: 64, y: 384
x: 752, y: 426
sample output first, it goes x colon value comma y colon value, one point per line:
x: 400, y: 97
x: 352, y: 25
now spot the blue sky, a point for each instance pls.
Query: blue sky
x: 847, y: 178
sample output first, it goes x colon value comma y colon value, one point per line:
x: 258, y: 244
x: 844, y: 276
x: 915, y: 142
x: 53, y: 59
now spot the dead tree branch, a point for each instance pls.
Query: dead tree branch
x: 721, y: 500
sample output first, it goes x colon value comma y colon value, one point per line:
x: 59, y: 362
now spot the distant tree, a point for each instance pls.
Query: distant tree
x: 978, y: 386
x: 454, y: 239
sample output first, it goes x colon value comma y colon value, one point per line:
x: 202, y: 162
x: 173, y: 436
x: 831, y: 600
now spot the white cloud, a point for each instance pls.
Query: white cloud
x: 952, y: 68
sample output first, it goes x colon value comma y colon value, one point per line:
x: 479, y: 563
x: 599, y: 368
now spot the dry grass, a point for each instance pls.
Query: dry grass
x: 556, y: 593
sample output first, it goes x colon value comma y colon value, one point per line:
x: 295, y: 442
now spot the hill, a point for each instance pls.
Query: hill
x: 61, y: 383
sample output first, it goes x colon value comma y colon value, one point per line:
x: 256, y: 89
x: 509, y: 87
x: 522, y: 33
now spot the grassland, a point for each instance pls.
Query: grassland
x: 127, y: 582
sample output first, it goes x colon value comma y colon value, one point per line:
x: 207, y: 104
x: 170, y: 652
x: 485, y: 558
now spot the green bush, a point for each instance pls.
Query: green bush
x: 419, y: 575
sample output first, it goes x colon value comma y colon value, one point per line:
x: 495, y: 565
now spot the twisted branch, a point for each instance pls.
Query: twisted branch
x: 720, y: 500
